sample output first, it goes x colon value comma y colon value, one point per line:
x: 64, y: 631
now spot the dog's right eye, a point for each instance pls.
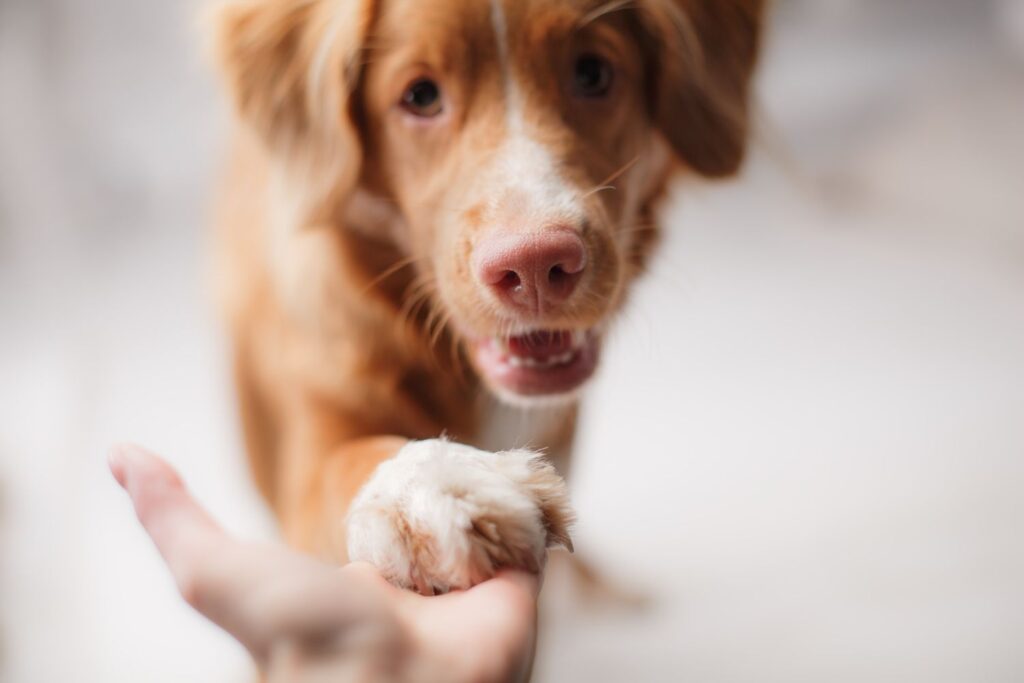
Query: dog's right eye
x: 593, y: 76
x: 422, y: 98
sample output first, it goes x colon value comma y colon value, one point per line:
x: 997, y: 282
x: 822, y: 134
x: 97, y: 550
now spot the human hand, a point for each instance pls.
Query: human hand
x: 304, y: 621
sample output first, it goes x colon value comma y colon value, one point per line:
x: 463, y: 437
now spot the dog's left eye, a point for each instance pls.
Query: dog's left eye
x: 592, y: 76
x: 422, y: 98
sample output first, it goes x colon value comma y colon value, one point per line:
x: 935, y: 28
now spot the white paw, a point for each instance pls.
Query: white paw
x: 441, y: 516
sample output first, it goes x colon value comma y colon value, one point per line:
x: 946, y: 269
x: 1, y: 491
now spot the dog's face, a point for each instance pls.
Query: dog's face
x: 522, y: 142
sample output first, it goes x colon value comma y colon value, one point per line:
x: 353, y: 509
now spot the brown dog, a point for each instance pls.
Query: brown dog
x: 433, y: 210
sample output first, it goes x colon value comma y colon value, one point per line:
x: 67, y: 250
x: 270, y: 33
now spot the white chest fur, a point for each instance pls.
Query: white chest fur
x: 505, y: 427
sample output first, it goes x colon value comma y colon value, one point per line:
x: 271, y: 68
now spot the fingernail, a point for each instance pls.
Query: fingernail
x: 121, y: 458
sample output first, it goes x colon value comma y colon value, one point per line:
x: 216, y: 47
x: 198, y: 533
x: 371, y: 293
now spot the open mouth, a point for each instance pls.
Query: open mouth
x: 538, y: 363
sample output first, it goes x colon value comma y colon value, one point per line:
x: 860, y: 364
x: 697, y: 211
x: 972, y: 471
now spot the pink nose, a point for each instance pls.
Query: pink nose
x: 532, y: 271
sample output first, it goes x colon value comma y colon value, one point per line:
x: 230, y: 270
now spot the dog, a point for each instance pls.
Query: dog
x: 432, y: 211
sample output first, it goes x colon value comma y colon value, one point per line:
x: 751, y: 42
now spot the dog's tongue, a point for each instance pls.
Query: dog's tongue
x: 541, y: 344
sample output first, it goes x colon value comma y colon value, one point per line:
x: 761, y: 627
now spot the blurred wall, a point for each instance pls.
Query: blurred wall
x: 820, y: 384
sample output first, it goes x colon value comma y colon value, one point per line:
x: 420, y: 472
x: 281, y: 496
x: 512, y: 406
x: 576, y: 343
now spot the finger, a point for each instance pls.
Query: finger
x: 258, y: 594
x: 504, y: 605
x: 498, y: 617
x: 180, y: 528
x: 527, y: 583
x: 214, y: 573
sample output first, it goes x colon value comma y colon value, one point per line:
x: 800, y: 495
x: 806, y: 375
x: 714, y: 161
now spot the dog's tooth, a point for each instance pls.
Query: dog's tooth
x: 515, y: 361
x: 579, y: 338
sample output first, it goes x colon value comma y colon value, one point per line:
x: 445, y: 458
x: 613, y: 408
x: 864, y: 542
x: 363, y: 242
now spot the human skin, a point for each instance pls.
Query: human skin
x: 304, y: 621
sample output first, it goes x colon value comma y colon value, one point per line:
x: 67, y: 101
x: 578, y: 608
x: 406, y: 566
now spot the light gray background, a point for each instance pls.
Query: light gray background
x: 806, y: 445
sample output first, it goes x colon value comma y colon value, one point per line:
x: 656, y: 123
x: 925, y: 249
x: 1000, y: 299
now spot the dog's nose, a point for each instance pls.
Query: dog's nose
x: 531, y: 271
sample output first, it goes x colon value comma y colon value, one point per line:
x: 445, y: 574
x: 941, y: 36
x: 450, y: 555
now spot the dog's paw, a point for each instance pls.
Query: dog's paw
x: 441, y: 516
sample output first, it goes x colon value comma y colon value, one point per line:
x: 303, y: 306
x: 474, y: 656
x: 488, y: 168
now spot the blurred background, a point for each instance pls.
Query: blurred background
x: 807, y: 443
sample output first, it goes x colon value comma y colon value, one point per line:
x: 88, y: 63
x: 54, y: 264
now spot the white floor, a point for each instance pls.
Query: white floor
x: 806, y: 446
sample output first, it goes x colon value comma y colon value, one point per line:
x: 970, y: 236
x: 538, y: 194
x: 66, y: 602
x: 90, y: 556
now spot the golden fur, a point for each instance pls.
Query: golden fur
x: 345, y: 231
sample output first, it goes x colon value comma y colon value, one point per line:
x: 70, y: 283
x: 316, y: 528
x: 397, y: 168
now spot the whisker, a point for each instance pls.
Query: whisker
x: 601, y: 188
x: 606, y: 184
x: 604, y: 10
x: 457, y: 359
x: 434, y: 326
x: 625, y: 167
x: 394, y: 268
x: 416, y: 294
x: 442, y: 326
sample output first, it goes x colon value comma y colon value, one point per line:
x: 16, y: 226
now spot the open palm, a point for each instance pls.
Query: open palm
x: 305, y: 621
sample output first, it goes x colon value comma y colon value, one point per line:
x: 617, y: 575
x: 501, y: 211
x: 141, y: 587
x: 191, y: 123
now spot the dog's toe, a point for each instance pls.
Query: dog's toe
x: 441, y: 516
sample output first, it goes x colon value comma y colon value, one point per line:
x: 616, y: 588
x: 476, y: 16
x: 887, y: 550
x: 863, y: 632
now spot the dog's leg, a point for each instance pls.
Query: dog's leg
x: 318, y: 491
x: 593, y: 587
x: 431, y: 515
x: 259, y: 429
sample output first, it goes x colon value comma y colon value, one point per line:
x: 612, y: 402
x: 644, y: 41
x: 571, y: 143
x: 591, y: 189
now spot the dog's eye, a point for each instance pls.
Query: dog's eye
x: 422, y: 98
x: 593, y: 76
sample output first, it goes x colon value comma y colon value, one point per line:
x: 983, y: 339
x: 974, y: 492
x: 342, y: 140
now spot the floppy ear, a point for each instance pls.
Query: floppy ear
x: 707, y: 53
x: 291, y: 67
